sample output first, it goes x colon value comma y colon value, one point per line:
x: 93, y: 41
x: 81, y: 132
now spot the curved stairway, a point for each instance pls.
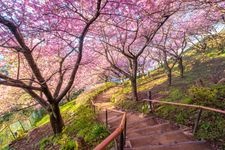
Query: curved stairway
x: 149, y: 133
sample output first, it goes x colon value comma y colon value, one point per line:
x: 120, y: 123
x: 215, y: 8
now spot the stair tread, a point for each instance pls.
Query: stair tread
x: 187, y: 145
x: 151, y: 130
x: 159, y: 139
x: 153, y: 127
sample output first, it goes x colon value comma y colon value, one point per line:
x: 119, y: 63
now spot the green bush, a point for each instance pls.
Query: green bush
x: 45, y: 142
x: 70, y: 145
x: 96, y: 134
x: 182, y: 116
x: 213, y: 96
x: 5, y: 117
x: 62, y: 141
x: 128, y: 104
x: 203, y: 95
x: 175, y: 94
x: 145, y: 109
x: 212, y: 127
x: 165, y: 111
x: 36, y: 116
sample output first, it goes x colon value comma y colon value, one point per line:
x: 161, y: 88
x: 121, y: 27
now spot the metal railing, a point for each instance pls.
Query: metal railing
x: 199, y: 107
x: 119, y: 132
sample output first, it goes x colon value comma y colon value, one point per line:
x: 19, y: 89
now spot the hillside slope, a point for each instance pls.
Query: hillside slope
x: 203, y: 70
x: 81, y: 127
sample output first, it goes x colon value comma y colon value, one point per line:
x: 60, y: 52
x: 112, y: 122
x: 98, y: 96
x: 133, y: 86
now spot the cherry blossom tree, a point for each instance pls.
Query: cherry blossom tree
x: 125, y: 37
x: 162, y: 46
x: 46, y: 40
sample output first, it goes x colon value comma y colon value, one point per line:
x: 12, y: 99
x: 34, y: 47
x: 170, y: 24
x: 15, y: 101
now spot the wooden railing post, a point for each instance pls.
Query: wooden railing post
x: 150, y: 102
x: 125, y: 130
x: 197, y: 121
x: 94, y: 108
x: 121, y: 141
x: 106, y: 117
x: 116, y: 147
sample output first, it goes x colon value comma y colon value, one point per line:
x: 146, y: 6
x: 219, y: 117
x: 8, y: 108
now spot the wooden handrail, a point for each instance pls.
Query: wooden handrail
x: 186, y: 105
x: 115, y: 133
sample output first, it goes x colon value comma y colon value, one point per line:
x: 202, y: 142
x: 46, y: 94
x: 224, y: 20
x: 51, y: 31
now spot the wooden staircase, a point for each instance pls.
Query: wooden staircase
x: 151, y: 133
x: 148, y: 133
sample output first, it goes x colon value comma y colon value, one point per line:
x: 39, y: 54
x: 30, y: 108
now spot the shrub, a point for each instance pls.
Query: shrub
x: 128, y: 104
x: 62, y: 141
x: 145, y: 109
x: 174, y: 94
x: 70, y: 145
x: 213, y: 96
x: 203, y: 95
x: 212, y: 127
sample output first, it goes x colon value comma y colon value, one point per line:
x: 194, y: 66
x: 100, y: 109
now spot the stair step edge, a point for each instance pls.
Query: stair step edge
x: 149, y: 127
x: 166, y: 133
x: 168, y: 145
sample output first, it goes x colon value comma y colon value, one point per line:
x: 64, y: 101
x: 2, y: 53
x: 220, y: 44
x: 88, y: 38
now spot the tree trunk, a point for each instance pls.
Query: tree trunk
x: 149, y: 74
x: 169, y: 77
x: 134, y: 89
x: 134, y: 79
x: 106, y: 79
x: 181, y: 67
x: 56, y: 119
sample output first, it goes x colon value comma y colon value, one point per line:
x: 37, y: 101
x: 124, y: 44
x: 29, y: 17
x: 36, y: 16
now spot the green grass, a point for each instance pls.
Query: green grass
x: 43, y: 121
x: 83, y: 99
x: 82, y: 123
x: 198, y: 65
x: 80, y: 119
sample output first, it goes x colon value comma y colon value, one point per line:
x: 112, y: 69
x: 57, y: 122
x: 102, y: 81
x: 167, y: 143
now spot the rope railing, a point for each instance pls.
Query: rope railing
x: 120, y: 131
